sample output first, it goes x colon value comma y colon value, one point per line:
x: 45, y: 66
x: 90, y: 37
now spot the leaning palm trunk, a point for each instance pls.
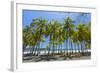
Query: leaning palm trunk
x: 83, y: 47
x: 48, y: 51
x: 78, y: 47
x: 33, y: 49
x: 71, y: 47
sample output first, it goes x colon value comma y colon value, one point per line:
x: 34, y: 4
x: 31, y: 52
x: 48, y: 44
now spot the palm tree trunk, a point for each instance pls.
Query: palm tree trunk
x: 78, y: 47
x: 71, y: 46
x: 81, y: 48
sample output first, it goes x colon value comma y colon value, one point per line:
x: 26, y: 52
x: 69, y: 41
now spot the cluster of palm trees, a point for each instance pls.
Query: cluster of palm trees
x: 61, y: 35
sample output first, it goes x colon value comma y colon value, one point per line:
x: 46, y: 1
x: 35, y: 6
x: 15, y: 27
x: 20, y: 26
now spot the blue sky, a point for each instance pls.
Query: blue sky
x: 28, y: 15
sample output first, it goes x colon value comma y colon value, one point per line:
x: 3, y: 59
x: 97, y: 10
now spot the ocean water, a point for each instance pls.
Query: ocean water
x: 42, y: 51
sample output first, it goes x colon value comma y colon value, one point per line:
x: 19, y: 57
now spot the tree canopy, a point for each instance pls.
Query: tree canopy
x: 58, y: 33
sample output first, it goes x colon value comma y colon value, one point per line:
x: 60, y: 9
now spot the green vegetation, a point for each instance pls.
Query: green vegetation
x: 58, y: 33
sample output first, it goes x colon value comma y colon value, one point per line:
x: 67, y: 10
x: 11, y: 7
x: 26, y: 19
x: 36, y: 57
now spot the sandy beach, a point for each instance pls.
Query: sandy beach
x: 54, y: 58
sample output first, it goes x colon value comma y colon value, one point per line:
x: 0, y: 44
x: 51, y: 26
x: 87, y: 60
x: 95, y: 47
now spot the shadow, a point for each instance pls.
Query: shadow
x: 10, y: 70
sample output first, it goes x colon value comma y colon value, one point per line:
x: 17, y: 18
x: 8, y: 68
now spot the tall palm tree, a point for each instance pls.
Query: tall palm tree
x: 28, y: 38
x: 75, y: 40
x: 69, y: 28
x: 39, y: 26
x: 82, y: 35
x: 88, y: 33
x: 54, y: 34
x: 58, y: 34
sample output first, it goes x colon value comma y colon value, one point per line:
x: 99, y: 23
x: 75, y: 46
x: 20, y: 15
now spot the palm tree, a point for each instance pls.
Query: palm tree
x: 82, y: 35
x: 39, y: 26
x: 87, y: 39
x: 75, y: 40
x: 88, y: 33
x: 58, y: 34
x: 87, y: 30
x: 48, y: 31
x: 28, y: 38
x: 54, y: 34
x: 61, y: 37
x: 69, y: 28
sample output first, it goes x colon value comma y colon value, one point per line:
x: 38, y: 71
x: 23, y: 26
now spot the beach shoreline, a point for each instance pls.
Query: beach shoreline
x: 54, y: 58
